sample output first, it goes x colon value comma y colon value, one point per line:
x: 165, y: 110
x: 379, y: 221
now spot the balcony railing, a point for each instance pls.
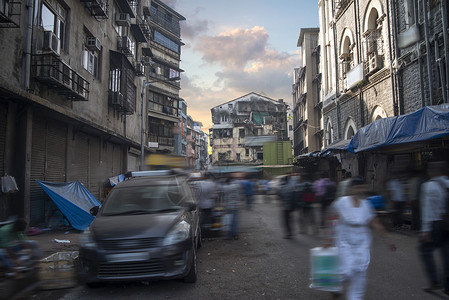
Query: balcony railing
x: 97, y: 8
x: 10, y: 13
x: 170, y: 25
x: 161, y: 140
x: 120, y: 103
x: 52, y: 71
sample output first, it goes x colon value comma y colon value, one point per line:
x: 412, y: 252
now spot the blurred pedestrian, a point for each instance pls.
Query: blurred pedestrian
x: 248, y: 186
x: 288, y: 205
x: 343, y: 186
x: 325, y: 193
x: 397, y: 195
x: 434, y: 230
x: 414, y: 185
x: 207, y: 197
x: 354, y: 217
x: 232, y: 198
x: 306, y: 209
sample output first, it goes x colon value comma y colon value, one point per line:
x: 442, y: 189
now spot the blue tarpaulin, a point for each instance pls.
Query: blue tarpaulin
x: 427, y: 123
x: 73, y: 200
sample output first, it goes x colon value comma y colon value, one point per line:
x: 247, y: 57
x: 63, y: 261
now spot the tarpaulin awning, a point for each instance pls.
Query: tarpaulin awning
x: 427, y: 123
x: 73, y: 200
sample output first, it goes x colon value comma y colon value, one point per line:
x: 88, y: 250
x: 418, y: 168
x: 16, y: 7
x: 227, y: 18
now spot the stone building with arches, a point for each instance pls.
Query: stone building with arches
x: 356, y: 57
x: 380, y: 59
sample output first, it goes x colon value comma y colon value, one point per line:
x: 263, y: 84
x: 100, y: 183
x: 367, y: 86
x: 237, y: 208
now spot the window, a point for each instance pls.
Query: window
x: 224, y: 118
x: 53, y: 19
x: 247, y: 152
x: 90, y: 62
x: 242, y: 132
x: 165, y: 41
x: 238, y: 156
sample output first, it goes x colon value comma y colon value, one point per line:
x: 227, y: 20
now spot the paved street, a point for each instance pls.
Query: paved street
x: 263, y: 265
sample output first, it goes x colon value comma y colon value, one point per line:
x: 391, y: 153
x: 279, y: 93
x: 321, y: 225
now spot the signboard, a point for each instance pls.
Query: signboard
x: 354, y: 76
x: 153, y: 144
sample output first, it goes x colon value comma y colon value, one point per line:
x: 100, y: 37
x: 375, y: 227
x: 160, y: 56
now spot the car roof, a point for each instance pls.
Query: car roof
x: 152, y: 180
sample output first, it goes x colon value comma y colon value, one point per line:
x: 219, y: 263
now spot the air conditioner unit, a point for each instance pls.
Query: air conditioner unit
x: 375, y: 63
x: 123, y: 19
x: 146, y: 60
x: 93, y: 44
x: 51, y: 42
x: 140, y: 69
x: 117, y: 99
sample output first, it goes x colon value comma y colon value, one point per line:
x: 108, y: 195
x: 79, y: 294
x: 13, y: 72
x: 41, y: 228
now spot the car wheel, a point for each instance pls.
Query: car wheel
x: 191, y: 276
x: 199, y: 240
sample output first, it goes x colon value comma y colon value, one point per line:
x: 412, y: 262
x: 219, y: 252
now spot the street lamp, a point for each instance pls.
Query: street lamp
x: 144, y: 114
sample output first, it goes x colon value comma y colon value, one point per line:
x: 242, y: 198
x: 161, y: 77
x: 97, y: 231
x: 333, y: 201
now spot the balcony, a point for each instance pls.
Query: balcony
x: 145, y: 27
x: 125, y: 45
x: 161, y: 140
x: 50, y: 70
x: 120, y: 103
x: 159, y: 19
x: 98, y: 9
x: 10, y: 14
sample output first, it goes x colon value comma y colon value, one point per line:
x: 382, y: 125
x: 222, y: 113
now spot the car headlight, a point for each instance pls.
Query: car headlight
x: 180, y: 232
x: 87, y: 241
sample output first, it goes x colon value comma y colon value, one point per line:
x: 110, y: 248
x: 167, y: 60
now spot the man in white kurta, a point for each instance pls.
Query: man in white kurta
x: 353, y: 239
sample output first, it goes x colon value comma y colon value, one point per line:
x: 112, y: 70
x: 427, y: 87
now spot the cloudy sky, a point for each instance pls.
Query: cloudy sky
x: 234, y: 47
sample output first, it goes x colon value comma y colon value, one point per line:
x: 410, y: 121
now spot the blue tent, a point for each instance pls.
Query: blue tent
x: 73, y: 200
x: 427, y: 123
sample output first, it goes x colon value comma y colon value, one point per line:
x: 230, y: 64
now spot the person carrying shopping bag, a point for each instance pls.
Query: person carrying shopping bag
x: 354, y: 217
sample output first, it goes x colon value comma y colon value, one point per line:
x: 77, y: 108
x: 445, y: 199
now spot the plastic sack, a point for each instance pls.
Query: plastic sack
x: 226, y: 222
x: 325, y: 274
x: 9, y: 184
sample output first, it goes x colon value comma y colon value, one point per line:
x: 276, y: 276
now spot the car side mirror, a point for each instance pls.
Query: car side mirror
x: 94, y: 210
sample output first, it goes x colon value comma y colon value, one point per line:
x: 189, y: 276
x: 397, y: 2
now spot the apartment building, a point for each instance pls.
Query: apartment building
x: 74, y: 74
x: 241, y: 127
x: 307, y: 127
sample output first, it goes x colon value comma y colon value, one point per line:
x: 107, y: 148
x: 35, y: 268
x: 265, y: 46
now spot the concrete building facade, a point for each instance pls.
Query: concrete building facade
x: 241, y: 127
x: 308, y: 136
x: 71, y: 90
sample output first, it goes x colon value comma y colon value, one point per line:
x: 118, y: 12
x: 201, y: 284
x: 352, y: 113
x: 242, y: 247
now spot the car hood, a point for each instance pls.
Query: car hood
x: 134, y: 226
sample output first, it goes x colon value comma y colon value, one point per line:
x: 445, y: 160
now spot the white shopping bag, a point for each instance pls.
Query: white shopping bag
x: 325, y: 275
x: 9, y: 184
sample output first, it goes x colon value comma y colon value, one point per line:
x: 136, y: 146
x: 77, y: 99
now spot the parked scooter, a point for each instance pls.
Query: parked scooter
x: 24, y: 277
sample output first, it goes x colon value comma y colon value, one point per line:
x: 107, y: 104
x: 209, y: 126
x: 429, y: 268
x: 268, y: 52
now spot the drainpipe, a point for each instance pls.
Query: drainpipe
x: 446, y: 46
x: 397, y: 75
x: 418, y: 51
x: 29, y: 32
x: 392, y: 71
x: 429, y: 66
x: 337, y: 92
x: 439, y: 61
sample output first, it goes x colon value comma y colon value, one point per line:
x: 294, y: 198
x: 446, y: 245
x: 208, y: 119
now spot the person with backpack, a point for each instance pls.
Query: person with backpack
x: 434, y: 198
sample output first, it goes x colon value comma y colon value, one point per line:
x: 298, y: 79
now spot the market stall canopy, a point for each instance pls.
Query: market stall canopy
x: 427, y: 123
x: 73, y: 200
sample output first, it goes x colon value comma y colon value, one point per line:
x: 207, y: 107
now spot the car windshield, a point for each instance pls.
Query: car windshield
x: 143, y: 200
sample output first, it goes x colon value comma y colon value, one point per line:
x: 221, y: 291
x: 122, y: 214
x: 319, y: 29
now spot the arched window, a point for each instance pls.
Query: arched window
x: 378, y: 113
x: 329, y: 134
x: 374, y: 45
x: 346, y: 53
x: 350, y: 129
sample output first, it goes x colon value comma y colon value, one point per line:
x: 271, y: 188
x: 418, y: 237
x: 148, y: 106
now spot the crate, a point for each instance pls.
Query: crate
x: 58, y: 270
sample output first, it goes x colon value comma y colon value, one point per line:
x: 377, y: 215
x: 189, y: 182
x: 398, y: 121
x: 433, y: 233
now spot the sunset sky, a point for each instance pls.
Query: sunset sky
x: 234, y: 47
